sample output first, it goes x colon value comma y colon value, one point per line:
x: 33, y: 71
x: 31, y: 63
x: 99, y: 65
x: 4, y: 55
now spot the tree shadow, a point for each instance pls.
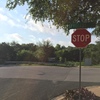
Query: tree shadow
x: 33, y: 89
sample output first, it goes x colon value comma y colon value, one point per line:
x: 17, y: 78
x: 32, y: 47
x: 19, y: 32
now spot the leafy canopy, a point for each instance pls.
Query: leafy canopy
x: 62, y: 12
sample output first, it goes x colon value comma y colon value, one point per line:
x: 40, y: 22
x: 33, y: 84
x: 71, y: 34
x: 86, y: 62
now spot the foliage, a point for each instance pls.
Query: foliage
x: 25, y: 55
x: 62, y: 12
x: 40, y: 54
x: 30, y: 52
x: 70, y: 64
x: 64, y: 54
x: 85, y: 95
x: 93, y: 51
x: 73, y: 54
x: 44, y: 51
x: 6, y: 52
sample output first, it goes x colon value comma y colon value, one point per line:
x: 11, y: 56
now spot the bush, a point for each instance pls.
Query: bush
x: 70, y: 64
x: 84, y: 94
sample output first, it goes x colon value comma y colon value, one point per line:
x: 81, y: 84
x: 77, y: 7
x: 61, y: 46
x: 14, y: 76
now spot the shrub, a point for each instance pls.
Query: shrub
x: 84, y: 94
x: 70, y: 64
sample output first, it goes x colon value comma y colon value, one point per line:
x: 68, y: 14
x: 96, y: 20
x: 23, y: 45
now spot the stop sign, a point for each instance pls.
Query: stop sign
x: 81, y: 38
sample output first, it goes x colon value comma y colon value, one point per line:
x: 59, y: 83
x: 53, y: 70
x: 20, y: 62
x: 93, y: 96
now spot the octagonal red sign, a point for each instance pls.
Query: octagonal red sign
x: 81, y: 38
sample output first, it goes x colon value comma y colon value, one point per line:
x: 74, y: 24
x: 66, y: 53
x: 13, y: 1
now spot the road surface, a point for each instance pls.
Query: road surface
x: 42, y: 82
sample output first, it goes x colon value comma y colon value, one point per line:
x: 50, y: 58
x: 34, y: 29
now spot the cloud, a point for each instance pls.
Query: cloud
x: 16, y: 37
x: 62, y: 43
x: 12, y: 23
x: 3, y: 17
x: 17, y: 20
x: 32, y: 38
x: 45, y: 28
x: 49, y: 39
x: 11, y: 37
x: 33, y: 26
x: 65, y: 43
x: 7, y: 17
x: 1, y: 9
x: 94, y: 39
x: 39, y: 27
x: 51, y: 29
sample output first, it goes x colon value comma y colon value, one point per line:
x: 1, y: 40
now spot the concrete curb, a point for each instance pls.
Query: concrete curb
x: 61, y: 97
x: 93, y: 89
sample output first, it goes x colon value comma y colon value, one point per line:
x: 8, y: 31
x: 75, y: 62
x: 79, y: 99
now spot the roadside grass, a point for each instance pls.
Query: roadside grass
x: 66, y: 64
x: 98, y: 65
x: 58, y: 64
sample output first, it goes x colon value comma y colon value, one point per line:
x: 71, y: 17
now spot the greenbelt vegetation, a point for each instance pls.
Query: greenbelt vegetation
x: 45, y: 52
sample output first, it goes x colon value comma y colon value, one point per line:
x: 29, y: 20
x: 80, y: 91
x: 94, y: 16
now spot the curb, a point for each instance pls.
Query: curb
x: 61, y: 97
x: 93, y: 89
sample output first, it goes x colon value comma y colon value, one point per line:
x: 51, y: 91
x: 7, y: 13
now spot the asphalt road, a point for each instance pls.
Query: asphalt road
x: 42, y: 82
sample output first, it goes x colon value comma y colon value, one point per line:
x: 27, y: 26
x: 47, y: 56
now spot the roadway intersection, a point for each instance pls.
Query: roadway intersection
x: 42, y: 82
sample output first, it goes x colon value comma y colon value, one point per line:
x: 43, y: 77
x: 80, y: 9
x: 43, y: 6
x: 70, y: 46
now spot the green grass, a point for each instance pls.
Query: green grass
x: 98, y: 65
x: 66, y: 64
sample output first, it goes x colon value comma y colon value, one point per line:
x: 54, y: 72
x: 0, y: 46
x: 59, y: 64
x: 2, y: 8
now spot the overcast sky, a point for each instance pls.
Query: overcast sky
x: 15, y: 27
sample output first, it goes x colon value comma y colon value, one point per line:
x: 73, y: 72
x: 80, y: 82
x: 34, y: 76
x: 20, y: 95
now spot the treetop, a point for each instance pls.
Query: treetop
x: 62, y: 12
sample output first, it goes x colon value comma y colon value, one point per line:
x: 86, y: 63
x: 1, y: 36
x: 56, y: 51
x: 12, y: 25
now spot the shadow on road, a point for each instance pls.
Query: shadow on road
x: 30, y: 89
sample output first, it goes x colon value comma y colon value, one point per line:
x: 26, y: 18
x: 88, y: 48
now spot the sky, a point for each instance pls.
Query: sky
x: 16, y: 26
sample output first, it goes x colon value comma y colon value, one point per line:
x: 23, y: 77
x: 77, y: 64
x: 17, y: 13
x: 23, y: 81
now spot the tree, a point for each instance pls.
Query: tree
x: 29, y: 46
x: 97, y: 52
x: 6, y: 52
x: 44, y: 51
x: 73, y: 54
x: 40, y: 55
x: 16, y: 46
x: 93, y: 51
x: 25, y: 55
x: 58, y: 52
x: 62, y: 12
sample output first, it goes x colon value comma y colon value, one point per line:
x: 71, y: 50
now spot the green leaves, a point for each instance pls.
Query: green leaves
x: 62, y: 12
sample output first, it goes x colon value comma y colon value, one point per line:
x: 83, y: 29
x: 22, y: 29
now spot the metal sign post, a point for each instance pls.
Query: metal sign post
x: 80, y: 38
x: 80, y: 74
